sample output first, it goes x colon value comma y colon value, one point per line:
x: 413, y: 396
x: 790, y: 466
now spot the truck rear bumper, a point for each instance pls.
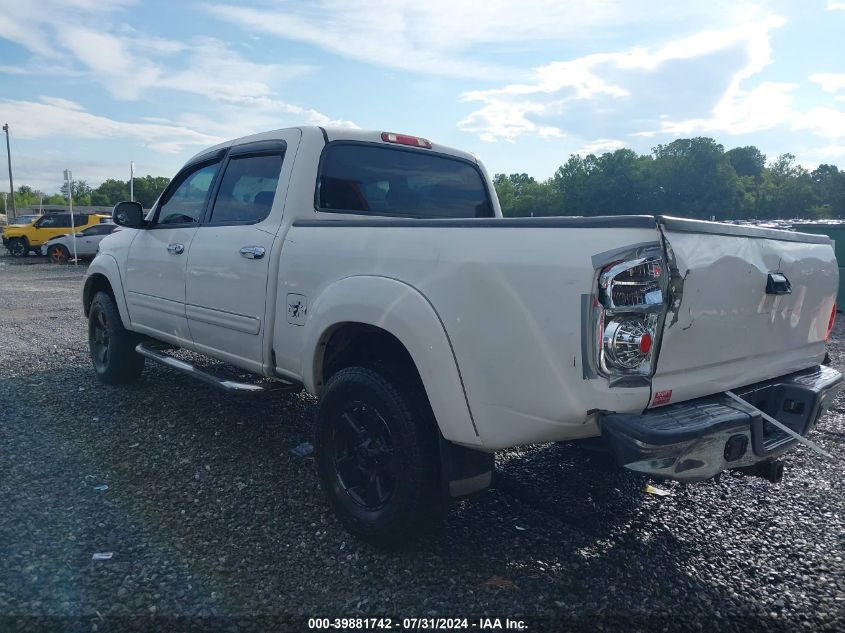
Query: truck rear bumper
x: 697, y: 439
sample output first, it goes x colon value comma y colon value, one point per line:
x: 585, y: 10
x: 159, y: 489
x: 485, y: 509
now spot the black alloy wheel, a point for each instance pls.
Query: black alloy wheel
x: 377, y: 455
x: 18, y: 247
x: 364, y: 460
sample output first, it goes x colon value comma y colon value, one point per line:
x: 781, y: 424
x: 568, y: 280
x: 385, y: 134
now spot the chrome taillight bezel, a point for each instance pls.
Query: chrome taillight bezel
x: 630, y: 290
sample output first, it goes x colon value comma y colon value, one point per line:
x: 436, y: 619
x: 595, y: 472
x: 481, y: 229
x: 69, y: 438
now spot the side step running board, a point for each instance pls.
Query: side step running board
x: 229, y: 386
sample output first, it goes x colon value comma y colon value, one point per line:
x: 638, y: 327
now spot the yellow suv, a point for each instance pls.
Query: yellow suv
x: 19, y: 240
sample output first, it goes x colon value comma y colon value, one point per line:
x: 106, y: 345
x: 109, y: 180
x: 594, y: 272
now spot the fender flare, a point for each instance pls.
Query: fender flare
x: 404, y: 312
x: 106, y: 265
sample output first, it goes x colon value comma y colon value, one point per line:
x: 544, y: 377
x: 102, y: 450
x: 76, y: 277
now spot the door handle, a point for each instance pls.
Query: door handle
x: 252, y: 252
x: 176, y: 249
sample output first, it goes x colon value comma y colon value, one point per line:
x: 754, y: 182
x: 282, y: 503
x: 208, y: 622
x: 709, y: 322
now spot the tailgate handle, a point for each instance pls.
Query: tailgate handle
x: 778, y: 284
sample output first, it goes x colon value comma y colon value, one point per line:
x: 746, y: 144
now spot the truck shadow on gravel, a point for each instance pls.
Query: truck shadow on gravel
x: 208, y: 480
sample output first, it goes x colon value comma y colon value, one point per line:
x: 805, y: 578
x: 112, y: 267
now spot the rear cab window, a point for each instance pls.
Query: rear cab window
x: 371, y: 179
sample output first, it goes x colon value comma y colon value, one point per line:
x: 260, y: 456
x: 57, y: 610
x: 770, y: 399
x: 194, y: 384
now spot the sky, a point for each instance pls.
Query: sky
x: 91, y: 85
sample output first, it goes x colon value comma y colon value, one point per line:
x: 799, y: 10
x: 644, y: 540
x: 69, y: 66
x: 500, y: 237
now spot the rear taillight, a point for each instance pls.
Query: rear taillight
x: 831, y: 322
x: 405, y: 139
x: 629, y: 311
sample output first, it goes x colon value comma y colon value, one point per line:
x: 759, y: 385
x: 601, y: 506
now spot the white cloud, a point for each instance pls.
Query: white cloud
x: 27, y: 23
x: 216, y: 72
x: 740, y: 111
x: 130, y: 64
x: 508, y: 121
x: 600, y: 146
x: 442, y: 37
x: 59, y: 102
x: 53, y: 117
x: 829, y: 82
x: 835, y: 6
x: 600, y: 77
x: 420, y: 36
x: 831, y: 151
x: 822, y: 120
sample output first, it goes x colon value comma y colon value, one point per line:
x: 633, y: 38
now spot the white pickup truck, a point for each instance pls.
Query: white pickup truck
x: 375, y: 270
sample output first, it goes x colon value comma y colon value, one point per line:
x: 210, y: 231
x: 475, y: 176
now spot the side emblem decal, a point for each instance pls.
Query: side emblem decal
x: 297, y: 309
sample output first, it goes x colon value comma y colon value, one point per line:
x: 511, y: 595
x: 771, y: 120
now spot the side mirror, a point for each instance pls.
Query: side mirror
x: 128, y: 214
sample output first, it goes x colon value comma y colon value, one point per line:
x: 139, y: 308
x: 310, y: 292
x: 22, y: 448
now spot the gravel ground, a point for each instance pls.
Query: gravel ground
x: 214, y: 524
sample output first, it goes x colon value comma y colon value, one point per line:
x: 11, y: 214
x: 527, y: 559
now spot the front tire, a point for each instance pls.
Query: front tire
x: 18, y: 247
x: 377, y: 456
x: 112, y: 346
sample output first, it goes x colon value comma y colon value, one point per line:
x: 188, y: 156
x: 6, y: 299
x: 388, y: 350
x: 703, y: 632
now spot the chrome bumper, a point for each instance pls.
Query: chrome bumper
x: 695, y: 440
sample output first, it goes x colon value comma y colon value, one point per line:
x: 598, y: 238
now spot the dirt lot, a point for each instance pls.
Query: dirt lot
x: 213, y: 523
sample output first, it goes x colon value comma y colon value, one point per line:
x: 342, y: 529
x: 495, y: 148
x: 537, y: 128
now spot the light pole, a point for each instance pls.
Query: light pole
x: 11, y: 184
x: 132, y: 181
x: 69, y: 181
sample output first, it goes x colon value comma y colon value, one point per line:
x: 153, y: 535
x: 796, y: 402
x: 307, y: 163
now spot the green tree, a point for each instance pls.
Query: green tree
x: 110, y: 192
x: 520, y: 195
x: 747, y: 161
x: 694, y: 177
x: 81, y: 192
x: 829, y: 188
x: 788, y: 190
x: 148, y: 189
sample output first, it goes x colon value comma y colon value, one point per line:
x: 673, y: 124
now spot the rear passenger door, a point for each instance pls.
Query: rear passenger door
x: 230, y: 256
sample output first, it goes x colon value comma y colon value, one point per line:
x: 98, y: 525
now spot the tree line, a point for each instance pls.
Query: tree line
x: 691, y: 177
x: 146, y: 190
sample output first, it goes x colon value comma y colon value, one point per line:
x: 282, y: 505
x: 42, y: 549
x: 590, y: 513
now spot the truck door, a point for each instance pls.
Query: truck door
x: 156, y: 264
x: 230, y: 256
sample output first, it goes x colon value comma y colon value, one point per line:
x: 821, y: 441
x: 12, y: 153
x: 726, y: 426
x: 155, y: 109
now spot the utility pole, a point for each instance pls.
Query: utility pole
x: 69, y: 180
x: 11, y: 184
x: 132, y: 180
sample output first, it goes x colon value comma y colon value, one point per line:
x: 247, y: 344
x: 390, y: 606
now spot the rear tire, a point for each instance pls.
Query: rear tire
x: 58, y: 254
x: 18, y: 247
x: 112, y: 346
x: 377, y: 456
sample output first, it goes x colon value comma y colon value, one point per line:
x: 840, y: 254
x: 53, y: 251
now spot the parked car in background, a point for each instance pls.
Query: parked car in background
x: 61, y: 249
x: 21, y: 240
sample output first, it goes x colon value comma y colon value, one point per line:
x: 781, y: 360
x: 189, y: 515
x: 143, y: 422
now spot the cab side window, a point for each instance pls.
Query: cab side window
x: 184, y: 202
x: 61, y: 221
x: 247, y: 190
x: 48, y: 222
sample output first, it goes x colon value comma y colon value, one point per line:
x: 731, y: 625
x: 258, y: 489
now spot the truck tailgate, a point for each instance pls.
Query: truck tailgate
x: 724, y: 329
